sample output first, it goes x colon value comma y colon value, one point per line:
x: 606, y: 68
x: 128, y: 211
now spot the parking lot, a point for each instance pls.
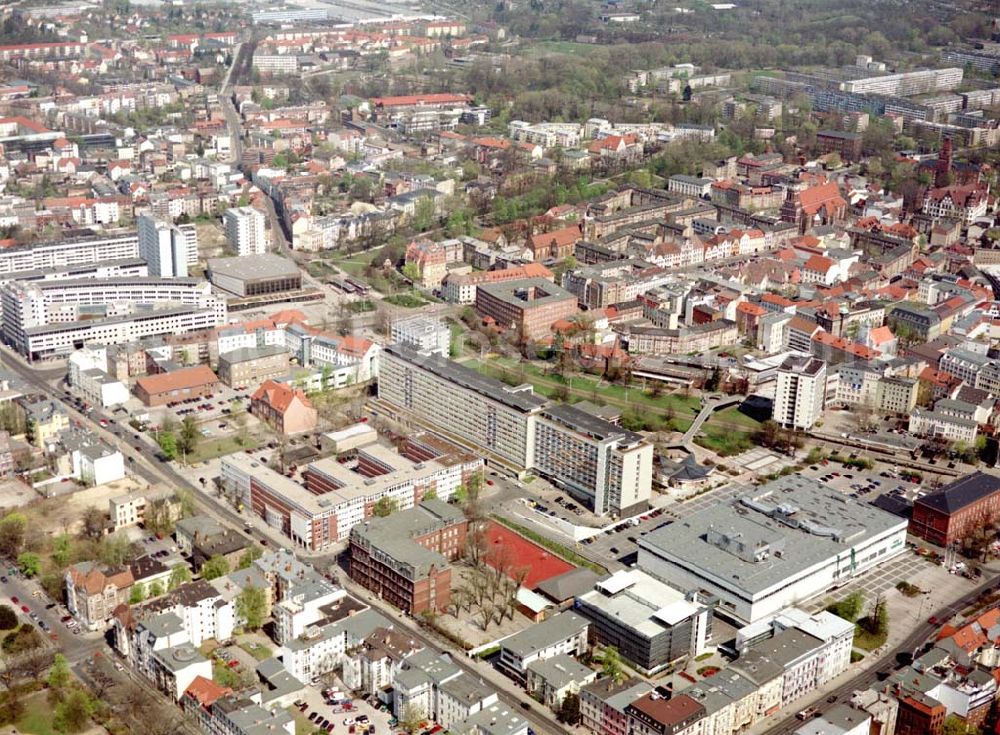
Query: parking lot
x: 315, y: 709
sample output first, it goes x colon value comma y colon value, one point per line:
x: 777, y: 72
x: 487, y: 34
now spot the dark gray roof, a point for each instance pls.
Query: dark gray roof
x: 569, y: 584
x: 961, y: 493
x: 468, y: 378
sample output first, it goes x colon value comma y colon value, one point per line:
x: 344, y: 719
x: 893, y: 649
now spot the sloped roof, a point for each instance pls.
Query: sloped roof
x: 279, y: 396
x: 191, y: 377
x: 962, y: 492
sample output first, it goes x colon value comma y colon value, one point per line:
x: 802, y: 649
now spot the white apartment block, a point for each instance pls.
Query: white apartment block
x: 97, y: 463
x: 43, y: 318
x: 565, y: 633
x: 168, y: 249
x: 295, y: 613
x: 87, y: 373
x: 70, y: 252
x: 600, y: 463
x: 276, y: 63
x: 608, y: 467
x: 424, y: 334
x: 323, y: 648
x: 127, y: 510
x: 800, y: 394
x: 907, y: 84
x: 547, y: 135
x: 245, y: 230
x: 937, y: 424
x: 477, y: 412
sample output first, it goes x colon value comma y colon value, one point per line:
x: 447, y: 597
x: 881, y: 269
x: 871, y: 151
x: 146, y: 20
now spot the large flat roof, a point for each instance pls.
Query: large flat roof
x: 251, y: 267
x: 788, y: 526
x: 640, y: 602
x: 523, y: 400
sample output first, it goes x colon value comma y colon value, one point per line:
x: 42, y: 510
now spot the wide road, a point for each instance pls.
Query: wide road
x: 888, y: 663
x: 155, y: 472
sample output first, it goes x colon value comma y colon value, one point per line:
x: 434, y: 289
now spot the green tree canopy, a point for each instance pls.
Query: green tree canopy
x: 251, y: 606
x: 215, y: 567
x: 29, y: 563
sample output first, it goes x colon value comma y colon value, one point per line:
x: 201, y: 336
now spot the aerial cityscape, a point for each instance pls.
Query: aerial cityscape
x: 499, y: 367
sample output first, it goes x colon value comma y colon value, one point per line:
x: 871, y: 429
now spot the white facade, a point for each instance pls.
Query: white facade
x: 800, y: 393
x: 87, y: 368
x: 424, y: 334
x: 71, y: 252
x: 245, y: 230
x: 44, y: 318
x: 296, y: 613
x: 127, y: 510
x: 166, y: 248
x: 98, y: 464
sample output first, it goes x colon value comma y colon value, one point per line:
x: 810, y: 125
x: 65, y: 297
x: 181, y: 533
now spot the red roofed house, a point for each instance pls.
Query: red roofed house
x: 430, y: 260
x: 199, y: 697
x: 747, y: 316
x: 284, y: 408
x: 820, y: 269
x: 557, y: 244
x: 93, y: 592
x: 177, y: 385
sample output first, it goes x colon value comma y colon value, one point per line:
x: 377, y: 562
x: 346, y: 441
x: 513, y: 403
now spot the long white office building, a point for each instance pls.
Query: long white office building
x: 599, y: 463
x: 51, y: 318
x: 71, y: 252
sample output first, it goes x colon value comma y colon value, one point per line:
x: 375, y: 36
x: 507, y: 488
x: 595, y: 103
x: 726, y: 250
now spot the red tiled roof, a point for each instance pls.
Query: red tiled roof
x: 422, y: 99
x: 205, y: 691
x: 816, y: 197
x: 818, y: 264
x: 565, y: 236
x: 279, y: 396
x: 191, y: 377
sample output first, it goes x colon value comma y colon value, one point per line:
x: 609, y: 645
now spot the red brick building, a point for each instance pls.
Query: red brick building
x: 405, y: 557
x: 530, y: 306
x: 920, y: 715
x: 177, y: 385
x: 957, y: 509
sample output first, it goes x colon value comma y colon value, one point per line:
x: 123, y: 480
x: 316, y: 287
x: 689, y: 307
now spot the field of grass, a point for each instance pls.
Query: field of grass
x: 212, y: 448
x: 584, y: 386
x: 406, y: 300
x: 261, y: 653
x: 564, y: 47
x: 38, y: 716
x: 360, y: 307
x: 723, y: 441
x: 733, y: 415
x: 868, y: 641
